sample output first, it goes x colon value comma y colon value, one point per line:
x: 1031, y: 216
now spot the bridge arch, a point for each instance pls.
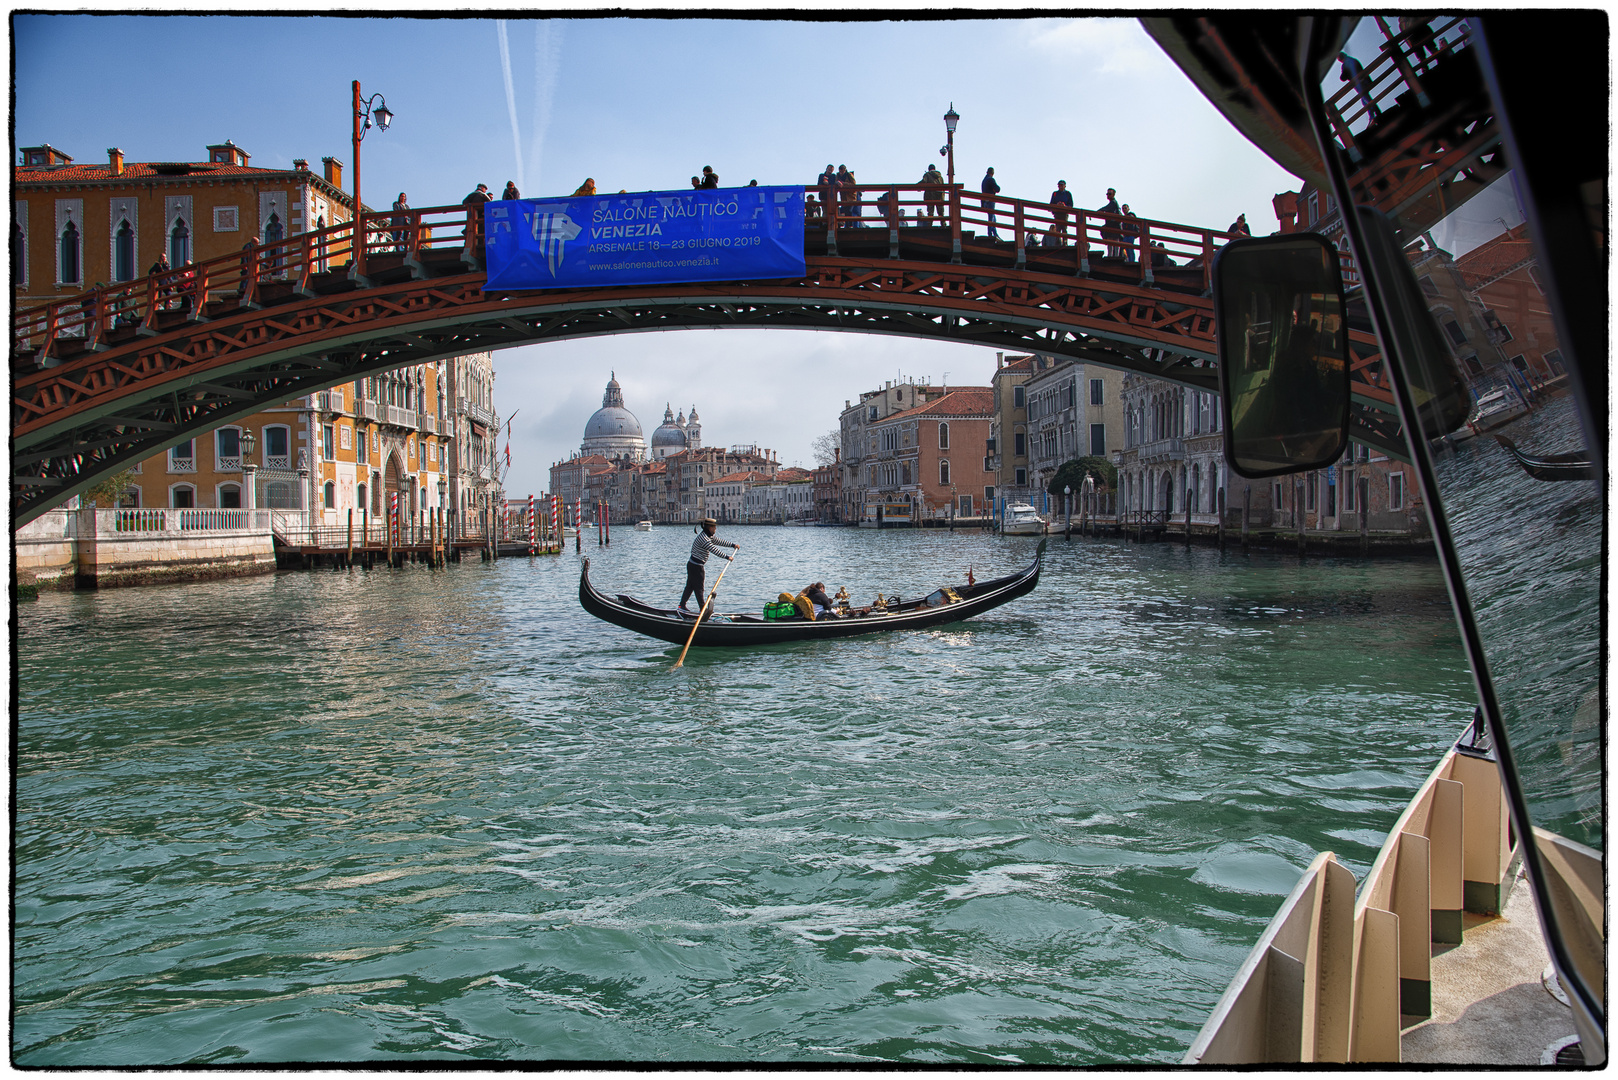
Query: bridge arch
x: 104, y: 380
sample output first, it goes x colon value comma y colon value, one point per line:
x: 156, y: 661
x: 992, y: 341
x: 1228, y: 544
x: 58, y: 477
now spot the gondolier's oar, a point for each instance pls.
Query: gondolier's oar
x: 703, y: 612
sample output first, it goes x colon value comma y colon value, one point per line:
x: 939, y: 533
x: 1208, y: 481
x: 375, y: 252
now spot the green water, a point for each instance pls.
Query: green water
x: 394, y: 816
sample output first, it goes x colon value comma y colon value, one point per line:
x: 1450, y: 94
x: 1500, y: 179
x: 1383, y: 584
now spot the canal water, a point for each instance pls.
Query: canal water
x: 446, y: 815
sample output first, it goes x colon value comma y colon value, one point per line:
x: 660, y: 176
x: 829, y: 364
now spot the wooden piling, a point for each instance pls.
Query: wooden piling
x: 1219, y: 499
x: 1247, y: 504
x: 348, y: 560
x: 1365, y: 513
x: 1297, y: 506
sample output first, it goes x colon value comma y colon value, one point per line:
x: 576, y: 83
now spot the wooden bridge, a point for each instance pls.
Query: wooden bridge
x: 109, y: 377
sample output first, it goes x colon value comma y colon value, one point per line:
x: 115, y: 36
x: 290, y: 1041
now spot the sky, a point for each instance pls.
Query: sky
x: 642, y: 104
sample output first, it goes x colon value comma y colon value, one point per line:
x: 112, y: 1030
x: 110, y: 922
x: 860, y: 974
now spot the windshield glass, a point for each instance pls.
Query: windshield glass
x: 1414, y: 129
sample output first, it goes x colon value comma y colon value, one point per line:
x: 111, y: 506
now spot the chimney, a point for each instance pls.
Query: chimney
x: 334, y: 171
x: 1000, y: 361
x: 115, y: 158
x: 300, y: 164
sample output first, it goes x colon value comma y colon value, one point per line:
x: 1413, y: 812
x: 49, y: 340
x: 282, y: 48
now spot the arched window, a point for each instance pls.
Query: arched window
x: 359, y: 495
x: 69, y: 257
x: 943, y: 471
x: 123, y: 253
x: 182, y: 496
x: 179, y: 243
x: 330, y: 495
x: 230, y: 497
x: 274, y: 231
x: 277, y: 447
x: 943, y: 435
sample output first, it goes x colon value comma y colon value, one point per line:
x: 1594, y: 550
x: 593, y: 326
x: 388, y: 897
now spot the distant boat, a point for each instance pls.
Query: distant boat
x: 568, y: 530
x: 1021, y: 519
x: 643, y: 526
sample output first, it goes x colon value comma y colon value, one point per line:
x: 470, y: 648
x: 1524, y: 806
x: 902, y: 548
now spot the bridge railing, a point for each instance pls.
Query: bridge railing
x: 297, y: 265
x: 1398, y: 67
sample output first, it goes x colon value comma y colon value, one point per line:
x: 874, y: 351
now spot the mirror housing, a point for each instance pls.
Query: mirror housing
x: 1283, y: 353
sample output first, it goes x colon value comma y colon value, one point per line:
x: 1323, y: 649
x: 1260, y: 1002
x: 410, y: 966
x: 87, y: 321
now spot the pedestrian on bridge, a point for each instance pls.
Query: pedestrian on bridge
x: 1353, y: 73
x: 1131, y: 231
x: 934, y: 195
x: 161, y: 266
x: 696, y: 568
x: 1239, y: 227
x: 991, y: 188
x: 847, y: 198
x: 1061, y: 203
x: 474, y: 216
x: 401, y: 220
x: 511, y: 191
x: 710, y: 179
x: 586, y: 188
x: 827, y: 182
x: 1110, y: 232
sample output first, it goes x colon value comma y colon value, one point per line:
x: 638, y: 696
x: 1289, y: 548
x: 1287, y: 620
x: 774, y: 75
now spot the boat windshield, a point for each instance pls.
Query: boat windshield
x: 1413, y: 127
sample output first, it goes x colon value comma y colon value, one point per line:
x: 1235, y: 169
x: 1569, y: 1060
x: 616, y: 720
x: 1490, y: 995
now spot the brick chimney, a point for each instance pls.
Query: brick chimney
x: 300, y: 164
x: 115, y: 158
x: 334, y: 171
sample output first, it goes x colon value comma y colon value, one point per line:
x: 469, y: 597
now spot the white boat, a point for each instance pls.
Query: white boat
x: 568, y: 530
x: 1021, y: 519
x: 1493, y: 410
x: 643, y: 526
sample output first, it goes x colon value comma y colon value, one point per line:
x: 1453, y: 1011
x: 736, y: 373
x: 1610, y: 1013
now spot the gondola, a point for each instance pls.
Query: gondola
x: 1575, y: 465
x: 736, y: 629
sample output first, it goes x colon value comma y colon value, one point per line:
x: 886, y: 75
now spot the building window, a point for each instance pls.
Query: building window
x: 330, y: 495
x: 277, y: 447
x: 943, y: 436
x: 943, y: 472
x: 1096, y: 392
x: 1348, y: 491
x: 1098, y: 440
x: 359, y: 496
x: 1022, y: 477
x: 988, y: 494
x: 1457, y: 336
x: 1396, y: 491
x: 1019, y: 397
x: 1019, y: 443
x: 68, y: 255
x: 182, y: 496
x: 123, y: 253
x: 182, y: 459
x: 227, y: 449
x: 362, y: 450
x: 1554, y: 360
x: 230, y: 497
x: 226, y: 219
x: 873, y: 412
x: 328, y: 447
x: 179, y: 244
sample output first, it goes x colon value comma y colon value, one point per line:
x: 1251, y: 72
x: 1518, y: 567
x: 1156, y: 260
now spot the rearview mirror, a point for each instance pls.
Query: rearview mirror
x: 1283, y: 358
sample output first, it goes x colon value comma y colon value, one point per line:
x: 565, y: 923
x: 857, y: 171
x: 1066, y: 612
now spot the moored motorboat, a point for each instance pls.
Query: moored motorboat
x: 1021, y: 519
x: 643, y: 526
x: 735, y: 629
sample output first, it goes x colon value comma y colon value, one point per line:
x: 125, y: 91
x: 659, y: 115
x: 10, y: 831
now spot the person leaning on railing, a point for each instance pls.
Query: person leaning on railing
x: 934, y: 195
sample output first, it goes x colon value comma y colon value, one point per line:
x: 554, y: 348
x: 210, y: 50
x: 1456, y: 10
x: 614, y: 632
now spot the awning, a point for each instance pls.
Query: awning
x: 478, y: 429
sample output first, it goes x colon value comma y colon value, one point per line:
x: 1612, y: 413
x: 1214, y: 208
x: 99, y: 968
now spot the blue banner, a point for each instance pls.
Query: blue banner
x: 645, y: 238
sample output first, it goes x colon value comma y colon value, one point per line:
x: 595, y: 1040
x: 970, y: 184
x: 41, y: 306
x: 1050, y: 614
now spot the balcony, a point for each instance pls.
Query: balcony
x: 182, y: 465
x: 223, y: 464
x: 398, y: 416
x: 330, y: 401
x: 367, y: 409
x: 428, y: 425
x: 478, y: 412
x: 1161, y: 450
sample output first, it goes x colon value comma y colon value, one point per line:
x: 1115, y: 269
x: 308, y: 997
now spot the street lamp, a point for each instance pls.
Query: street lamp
x: 951, y: 118
x: 248, y: 444
x: 365, y: 110
x: 1067, y: 502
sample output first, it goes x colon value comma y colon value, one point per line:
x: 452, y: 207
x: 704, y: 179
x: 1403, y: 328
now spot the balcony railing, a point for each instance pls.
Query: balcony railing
x: 477, y: 412
x: 1162, y: 450
x: 428, y: 424
x: 221, y: 463
x: 398, y: 417
x: 329, y: 401
x: 182, y: 464
x: 366, y: 409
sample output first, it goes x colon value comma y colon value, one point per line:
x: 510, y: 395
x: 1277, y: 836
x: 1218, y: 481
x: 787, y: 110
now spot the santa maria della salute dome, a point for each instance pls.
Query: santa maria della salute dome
x: 615, y: 433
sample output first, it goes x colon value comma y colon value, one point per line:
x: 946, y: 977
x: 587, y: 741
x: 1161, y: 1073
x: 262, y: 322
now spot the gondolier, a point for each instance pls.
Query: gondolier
x: 695, y: 571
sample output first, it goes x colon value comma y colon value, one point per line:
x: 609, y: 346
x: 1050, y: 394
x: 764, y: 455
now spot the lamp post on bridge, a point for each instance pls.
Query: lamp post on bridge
x: 364, y: 110
x: 951, y: 118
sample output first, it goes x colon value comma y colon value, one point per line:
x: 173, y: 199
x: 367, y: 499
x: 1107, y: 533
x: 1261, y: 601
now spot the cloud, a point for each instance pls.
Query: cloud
x: 1104, y: 46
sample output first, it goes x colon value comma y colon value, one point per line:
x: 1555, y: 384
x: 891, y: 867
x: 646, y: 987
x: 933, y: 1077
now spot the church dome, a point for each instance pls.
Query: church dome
x: 670, y: 435
x: 613, y: 430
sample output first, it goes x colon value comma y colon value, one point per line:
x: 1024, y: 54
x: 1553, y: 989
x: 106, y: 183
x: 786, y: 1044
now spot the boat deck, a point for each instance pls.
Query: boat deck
x: 1490, y: 1002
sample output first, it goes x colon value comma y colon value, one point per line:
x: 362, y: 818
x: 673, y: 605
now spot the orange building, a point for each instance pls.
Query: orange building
x: 932, y: 456
x: 348, y: 448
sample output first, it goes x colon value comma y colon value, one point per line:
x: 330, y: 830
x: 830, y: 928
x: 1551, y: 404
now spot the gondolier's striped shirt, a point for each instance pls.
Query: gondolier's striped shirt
x: 705, y: 545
